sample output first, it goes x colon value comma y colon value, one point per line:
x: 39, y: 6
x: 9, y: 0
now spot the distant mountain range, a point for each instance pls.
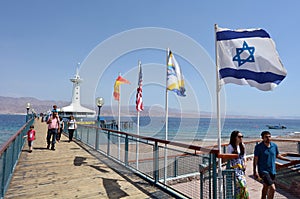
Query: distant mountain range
x: 11, y: 105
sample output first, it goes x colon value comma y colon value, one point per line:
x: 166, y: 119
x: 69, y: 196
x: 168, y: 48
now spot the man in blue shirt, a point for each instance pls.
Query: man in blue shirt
x: 265, y: 154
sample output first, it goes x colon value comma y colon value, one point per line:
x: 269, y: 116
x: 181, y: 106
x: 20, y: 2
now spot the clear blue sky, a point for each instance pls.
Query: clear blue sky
x: 41, y: 43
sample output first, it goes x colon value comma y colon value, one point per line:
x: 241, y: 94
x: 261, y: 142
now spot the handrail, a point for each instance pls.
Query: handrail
x: 188, y: 146
x: 180, y: 160
x: 6, y: 144
x: 9, y: 155
x: 228, y: 156
x: 273, y: 139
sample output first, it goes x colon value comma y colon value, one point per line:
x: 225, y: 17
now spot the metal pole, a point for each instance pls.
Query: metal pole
x: 155, y: 162
x: 119, y: 123
x: 166, y: 117
x: 97, y: 132
x: 218, y: 116
x: 137, y: 140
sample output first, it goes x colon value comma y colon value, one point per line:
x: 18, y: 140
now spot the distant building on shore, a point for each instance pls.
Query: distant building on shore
x: 75, y: 107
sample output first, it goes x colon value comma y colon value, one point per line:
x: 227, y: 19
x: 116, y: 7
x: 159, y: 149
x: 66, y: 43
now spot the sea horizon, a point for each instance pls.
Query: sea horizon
x: 179, y: 128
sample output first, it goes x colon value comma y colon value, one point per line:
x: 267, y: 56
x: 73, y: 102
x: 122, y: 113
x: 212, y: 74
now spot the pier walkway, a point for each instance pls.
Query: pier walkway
x: 73, y: 171
x: 255, y: 187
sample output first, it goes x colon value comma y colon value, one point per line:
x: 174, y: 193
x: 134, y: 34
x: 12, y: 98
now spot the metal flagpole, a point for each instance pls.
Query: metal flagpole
x: 137, y: 140
x: 166, y: 132
x: 138, y: 122
x: 119, y: 119
x: 218, y: 88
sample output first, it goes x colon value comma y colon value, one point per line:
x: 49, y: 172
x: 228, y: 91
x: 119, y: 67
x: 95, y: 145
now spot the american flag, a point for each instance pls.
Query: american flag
x: 139, y: 99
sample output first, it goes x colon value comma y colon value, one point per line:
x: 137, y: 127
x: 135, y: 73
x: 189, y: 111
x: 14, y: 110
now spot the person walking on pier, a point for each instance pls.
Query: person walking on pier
x: 71, y: 127
x: 236, y: 146
x: 265, y: 154
x: 53, y: 127
x: 61, y: 129
x: 30, y: 137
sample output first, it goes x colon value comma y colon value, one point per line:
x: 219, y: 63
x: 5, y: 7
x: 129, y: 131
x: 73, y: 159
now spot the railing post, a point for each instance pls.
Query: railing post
x: 81, y: 134
x: 176, y: 167
x: 214, y: 160
x: 201, y: 185
x: 4, y: 175
x: 97, y: 139
x: 88, y: 135
x: 202, y: 168
x: 108, y: 143
x: 155, y: 162
x: 126, y: 150
x: 298, y: 147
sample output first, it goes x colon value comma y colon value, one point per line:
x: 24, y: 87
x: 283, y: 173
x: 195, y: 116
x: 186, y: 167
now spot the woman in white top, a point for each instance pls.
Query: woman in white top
x: 236, y: 146
x: 71, y: 127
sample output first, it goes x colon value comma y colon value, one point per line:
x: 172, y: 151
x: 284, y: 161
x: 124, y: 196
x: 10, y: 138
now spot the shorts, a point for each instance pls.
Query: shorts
x: 30, y: 143
x: 268, y: 178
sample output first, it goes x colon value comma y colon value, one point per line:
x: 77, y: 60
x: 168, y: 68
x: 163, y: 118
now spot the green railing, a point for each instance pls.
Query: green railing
x: 172, y: 166
x: 9, y: 156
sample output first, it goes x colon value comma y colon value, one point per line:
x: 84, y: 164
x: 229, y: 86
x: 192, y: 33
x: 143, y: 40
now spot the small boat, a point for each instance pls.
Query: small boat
x: 276, y: 127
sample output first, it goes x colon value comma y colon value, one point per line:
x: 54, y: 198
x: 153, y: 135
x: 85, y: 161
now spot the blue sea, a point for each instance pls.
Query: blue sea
x: 206, y: 128
x: 9, y: 125
x: 178, y: 128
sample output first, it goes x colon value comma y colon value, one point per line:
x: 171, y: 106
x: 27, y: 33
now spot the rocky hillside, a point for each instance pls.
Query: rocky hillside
x: 11, y: 105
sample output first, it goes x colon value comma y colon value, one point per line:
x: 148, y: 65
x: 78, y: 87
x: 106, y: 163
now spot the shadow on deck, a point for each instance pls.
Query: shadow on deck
x: 73, y: 170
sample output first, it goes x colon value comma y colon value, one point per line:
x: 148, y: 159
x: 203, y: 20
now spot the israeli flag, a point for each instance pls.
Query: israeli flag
x: 248, y: 57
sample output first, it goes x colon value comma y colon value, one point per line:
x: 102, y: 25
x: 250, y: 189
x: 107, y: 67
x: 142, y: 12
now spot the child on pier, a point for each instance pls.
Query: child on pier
x: 30, y: 137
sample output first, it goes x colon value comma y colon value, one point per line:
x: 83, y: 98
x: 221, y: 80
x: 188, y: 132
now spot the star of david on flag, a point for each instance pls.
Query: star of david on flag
x: 238, y: 57
x: 248, y: 56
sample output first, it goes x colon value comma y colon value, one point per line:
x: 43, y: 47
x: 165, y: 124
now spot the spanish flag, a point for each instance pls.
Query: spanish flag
x: 120, y: 80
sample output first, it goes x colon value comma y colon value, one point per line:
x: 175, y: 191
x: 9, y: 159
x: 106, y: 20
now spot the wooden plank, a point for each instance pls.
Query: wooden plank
x: 68, y: 172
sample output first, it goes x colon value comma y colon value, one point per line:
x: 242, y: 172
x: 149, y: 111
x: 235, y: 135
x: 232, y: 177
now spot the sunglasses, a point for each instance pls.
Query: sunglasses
x: 240, y: 136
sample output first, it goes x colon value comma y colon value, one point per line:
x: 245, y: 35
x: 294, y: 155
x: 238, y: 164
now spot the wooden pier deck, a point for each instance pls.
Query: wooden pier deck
x: 73, y: 171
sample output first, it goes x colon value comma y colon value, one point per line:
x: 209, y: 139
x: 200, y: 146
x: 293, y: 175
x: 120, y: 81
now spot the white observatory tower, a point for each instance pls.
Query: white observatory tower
x: 76, y: 89
x: 75, y: 108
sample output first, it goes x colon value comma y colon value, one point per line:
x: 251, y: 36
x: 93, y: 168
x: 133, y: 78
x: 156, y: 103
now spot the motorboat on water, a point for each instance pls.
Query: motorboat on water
x: 276, y: 127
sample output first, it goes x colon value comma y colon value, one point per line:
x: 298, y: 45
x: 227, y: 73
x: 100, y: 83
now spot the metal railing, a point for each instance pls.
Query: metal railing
x: 9, y: 156
x: 177, y: 174
x: 284, y: 145
x: 188, y: 171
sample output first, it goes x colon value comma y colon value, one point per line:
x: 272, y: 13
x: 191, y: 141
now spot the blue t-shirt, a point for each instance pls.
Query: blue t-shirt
x: 266, y: 157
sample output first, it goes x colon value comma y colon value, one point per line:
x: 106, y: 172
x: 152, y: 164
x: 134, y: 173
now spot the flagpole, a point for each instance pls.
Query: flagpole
x: 119, y: 120
x: 138, y: 123
x: 166, y: 128
x: 218, y: 88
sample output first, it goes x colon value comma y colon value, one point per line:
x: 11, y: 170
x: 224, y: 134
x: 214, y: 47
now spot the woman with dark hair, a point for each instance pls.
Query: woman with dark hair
x: 236, y: 146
